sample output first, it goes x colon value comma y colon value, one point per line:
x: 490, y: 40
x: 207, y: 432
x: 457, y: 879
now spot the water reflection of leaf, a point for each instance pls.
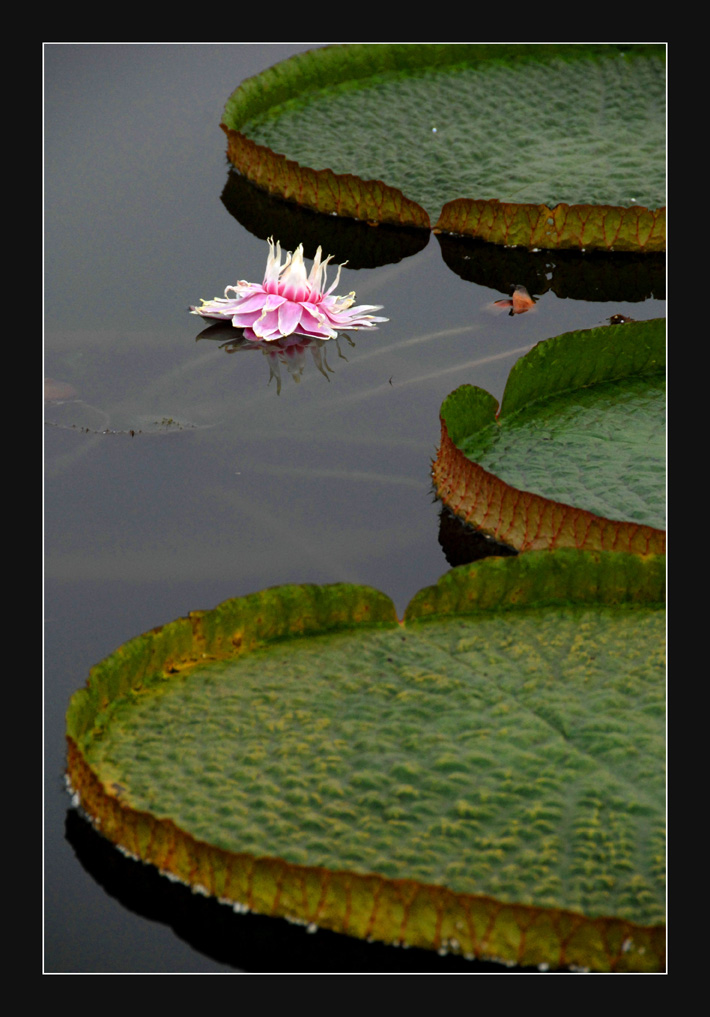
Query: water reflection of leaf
x: 290, y: 352
x: 577, y: 275
x: 264, y: 215
x: 247, y: 942
x: 463, y: 544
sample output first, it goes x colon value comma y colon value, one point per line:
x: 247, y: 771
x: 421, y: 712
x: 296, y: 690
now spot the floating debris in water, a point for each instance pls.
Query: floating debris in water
x: 58, y: 391
x: 519, y: 303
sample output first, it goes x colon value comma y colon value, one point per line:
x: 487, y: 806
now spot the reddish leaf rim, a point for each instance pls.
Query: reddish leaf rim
x: 521, y: 519
x: 323, y: 191
x: 587, y: 227
x: 369, y: 906
x: 526, y: 521
x: 365, y: 905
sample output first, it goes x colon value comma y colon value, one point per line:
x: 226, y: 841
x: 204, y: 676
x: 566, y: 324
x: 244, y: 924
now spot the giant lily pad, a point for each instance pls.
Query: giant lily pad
x: 576, y: 455
x: 539, y: 146
x: 485, y: 777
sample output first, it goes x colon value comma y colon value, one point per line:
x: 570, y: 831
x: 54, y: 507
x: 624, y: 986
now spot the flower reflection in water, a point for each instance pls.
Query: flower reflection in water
x: 291, y: 353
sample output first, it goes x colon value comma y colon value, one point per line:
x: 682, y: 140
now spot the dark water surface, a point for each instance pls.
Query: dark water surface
x: 178, y: 475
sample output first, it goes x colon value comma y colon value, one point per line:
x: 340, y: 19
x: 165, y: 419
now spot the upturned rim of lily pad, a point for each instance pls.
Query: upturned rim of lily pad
x: 527, y: 225
x: 362, y: 904
x: 521, y: 519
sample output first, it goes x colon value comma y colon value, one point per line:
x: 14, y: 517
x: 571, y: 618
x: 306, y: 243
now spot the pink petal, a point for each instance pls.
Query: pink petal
x: 254, y: 302
x: 267, y: 326
x: 273, y: 301
x: 289, y: 317
x: 312, y: 324
x: 245, y: 320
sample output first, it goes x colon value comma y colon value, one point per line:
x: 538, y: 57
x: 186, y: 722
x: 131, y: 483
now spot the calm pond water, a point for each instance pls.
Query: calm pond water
x: 179, y: 473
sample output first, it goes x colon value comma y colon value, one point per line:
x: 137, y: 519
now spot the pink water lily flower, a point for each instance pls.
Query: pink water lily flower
x: 289, y: 302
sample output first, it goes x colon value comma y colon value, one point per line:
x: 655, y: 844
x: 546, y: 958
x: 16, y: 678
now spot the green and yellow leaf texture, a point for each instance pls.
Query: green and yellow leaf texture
x: 484, y: 777
x: 532, y: 145
x: 575, y: 456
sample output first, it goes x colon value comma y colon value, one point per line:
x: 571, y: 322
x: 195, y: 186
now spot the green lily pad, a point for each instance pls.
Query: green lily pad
x: 485, y: 777
x: 540, y: 145
x: 576, y: 455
